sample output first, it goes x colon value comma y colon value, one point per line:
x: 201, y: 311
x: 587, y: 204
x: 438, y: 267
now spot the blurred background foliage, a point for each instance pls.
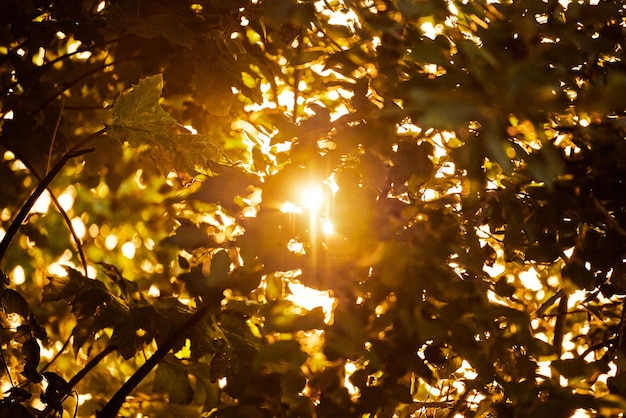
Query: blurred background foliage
x: 301, y: 208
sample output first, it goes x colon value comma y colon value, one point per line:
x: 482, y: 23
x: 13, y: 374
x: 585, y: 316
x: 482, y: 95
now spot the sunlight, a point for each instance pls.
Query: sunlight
x: 66, y: 199
x: 530, y: 280
x: 310, y: 298
x: 581, y: 413
x: 349, y: 370
x: 42, y: 204
x: 128, y: 249
x: 328, y: 227
x: 289, y: 207
x: 311, y: 197
x: 431, y: 31
x: 18, y: 276
x: 79, y: 227
x: 73, y: 46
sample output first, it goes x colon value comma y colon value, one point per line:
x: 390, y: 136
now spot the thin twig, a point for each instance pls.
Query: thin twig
x: 595, y: 347
x: 70, y: 227
x: 54, y: 133
x: 70, y: 85
x: 64, y: 215
x: 457, y: 405
x: 49, y: 411
x: 547, y: 304
x: 57, y: 355
x: 6, y: 367
x: 559, y: 326
x: 43, y: 185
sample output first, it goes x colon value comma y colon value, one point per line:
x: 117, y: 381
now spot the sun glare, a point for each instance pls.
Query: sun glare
x: 311, y: 198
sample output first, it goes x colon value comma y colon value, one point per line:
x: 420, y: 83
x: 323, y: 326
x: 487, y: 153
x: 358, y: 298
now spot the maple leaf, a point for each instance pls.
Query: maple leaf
x: 139, y: 120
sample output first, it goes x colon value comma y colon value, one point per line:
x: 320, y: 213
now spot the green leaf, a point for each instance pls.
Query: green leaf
x: 280, y: 357
x: 139, y: 120
x: 173, y: 381
x: 220, y: 265
x: 575, y: 368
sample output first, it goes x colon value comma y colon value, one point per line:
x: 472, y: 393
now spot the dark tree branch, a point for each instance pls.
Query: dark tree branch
x: 546, y: 305
x: 559, y: 326
x: 91, y: 364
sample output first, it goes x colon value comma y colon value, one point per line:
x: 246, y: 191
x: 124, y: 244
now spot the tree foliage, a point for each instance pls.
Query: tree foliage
x: 462, y: 253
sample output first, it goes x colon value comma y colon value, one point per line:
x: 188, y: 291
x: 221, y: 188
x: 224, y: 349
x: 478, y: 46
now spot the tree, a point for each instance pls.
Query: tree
x: 312, y: 208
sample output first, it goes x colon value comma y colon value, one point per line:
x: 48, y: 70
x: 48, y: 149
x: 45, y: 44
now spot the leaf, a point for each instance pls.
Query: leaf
x: 4, y: 279
x: 31, y: 350
x: 57, y: 388
x: 575, y: 368
x: 280, y: 357
x: 10, y: 409
x: 37, y: 330
x: 30, y: 372
x: 18, y: 394
x: 174, y: 382
x: 68, y: 287
x: 503, y: 288
x: 88, y: 302
x: 174, y: 30
x: 220, y: 266
x: 14, y: 302
x: 139, y: 120
x: 576, y: 272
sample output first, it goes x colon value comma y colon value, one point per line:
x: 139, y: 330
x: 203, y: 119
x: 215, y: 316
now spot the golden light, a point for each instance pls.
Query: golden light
x: 310, y: 298
x: 328, y: 227
x: 349, y: 370
x: 128, y: 249
x: 289, y: 207
x: 311, y: 197
x: 18, y: 276
x: 42, y: 204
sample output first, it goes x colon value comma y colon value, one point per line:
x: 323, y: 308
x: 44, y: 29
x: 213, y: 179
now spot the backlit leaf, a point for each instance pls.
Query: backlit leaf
x: 174, y: 382
x: 139, y: 120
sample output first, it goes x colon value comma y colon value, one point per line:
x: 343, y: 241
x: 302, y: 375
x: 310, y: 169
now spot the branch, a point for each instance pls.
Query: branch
x: 68, y: 222
x: 43, y: 185
x: 50, y: 412
x: 112, y: 407
x: 457, y: 405
x: 64, y: 215
x: 559, y: 326
x: 91, y: 364
x: 543, y: 308
x: 54, y: 133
